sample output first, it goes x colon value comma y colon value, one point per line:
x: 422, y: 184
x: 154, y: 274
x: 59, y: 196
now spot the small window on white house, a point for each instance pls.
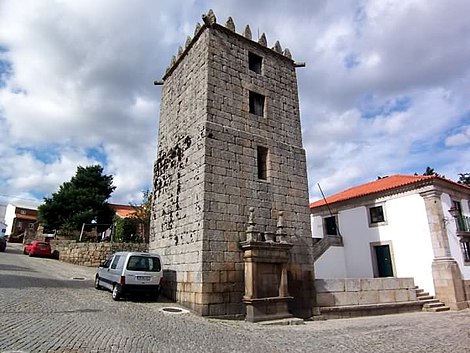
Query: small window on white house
x: 376, y: 215
x: 330, y: 225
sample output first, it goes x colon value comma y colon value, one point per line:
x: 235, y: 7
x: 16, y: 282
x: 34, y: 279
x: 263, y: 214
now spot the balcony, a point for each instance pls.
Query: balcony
x: 462, y: 226
x: 463, y: 223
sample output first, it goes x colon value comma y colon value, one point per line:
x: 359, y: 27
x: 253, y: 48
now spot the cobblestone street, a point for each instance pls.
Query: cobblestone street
x: 49, y: 306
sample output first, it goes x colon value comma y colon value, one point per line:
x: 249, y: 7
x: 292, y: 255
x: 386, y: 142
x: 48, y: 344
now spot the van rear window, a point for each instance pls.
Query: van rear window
x: 144, y: 263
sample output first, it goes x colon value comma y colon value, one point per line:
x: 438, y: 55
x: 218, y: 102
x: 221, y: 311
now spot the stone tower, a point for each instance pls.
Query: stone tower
x: 229, y: 140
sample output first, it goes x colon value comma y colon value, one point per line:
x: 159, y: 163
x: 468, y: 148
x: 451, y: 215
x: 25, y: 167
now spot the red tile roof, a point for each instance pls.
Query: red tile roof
x: 26, y: 217
x: 123, y: 211
x: 380, y: 185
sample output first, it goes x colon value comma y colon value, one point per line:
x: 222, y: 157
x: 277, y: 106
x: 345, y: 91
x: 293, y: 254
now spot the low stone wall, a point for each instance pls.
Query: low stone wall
x: 90, y: 254
x: 350, y: 297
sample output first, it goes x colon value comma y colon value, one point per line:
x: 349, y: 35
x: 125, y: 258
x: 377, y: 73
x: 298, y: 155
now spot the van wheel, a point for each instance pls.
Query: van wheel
x: 116, y: 293
x: 97, y: 283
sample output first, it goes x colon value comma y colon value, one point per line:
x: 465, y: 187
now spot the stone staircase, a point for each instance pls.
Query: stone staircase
x: 321, y: 245
x: 429, y: 302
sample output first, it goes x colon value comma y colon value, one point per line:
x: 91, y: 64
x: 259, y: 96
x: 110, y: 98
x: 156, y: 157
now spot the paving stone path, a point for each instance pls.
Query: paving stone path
x: 49, y: 306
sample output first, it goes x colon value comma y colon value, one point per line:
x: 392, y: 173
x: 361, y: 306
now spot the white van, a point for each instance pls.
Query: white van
x: 125, y: 273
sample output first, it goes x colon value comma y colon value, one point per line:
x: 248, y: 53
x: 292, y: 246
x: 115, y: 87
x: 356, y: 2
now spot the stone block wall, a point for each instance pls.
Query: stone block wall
x: 363, y: 295
x: 178, y: 185
x: 206, y: 172
x: 90, y: 254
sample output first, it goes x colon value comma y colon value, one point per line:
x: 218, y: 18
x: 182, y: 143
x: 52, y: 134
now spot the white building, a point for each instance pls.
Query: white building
x: 3, y: 224
x: 398, y: 226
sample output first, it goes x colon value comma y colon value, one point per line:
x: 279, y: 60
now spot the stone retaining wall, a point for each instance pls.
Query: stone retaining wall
x: 348, y: 297
x: 90, y: 254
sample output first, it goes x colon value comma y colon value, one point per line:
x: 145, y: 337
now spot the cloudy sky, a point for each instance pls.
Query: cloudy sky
x: 385, y: 90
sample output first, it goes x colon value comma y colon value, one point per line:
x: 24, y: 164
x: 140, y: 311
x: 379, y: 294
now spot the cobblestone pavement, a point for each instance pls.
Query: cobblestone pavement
x: 49, y: 306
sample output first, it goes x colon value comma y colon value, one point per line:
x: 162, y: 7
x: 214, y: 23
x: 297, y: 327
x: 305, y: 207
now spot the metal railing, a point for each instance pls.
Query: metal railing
x: 463, y: 223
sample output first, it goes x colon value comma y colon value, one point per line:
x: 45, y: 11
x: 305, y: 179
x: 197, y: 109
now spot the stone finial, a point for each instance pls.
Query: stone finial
x: 262, y: 40
x: 251, y: 220
x: 180, y: 50
x: 280, y: 235
x: 277, y: 47
x: 210, y: 18
x: 250, y: 230
x: 247, y: 32
x: 197, y: 29
x: 230, y: 24
x: 173, y: 60
x: 280, y: 222
x: 287, y: 53
x: 188, y: 41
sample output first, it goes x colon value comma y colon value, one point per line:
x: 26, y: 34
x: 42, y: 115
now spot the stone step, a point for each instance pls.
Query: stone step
x: 436, y: 309
x: 433, y: 305
x: 424, y: 297
x: 422, y: 293
x: 430, y: 303
x: 287, y: 321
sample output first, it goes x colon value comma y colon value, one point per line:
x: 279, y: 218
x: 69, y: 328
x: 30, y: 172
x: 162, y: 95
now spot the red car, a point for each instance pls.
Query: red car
x: 38, y: 248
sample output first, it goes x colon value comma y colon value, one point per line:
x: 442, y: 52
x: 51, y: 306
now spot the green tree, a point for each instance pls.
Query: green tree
x: 430, y: 171
x: 125, y: 230
x: 464, y: 178
x: 83, y: 199
x: 142, y: 213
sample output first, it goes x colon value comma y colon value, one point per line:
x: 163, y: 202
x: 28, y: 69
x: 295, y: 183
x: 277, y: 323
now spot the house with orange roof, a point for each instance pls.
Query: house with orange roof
x: 18, y: 220
x: 132, y: 212
x: 398, y: 226
x: 123, y: 211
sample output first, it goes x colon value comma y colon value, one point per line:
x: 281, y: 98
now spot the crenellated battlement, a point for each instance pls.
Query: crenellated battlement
x: 210, y: 21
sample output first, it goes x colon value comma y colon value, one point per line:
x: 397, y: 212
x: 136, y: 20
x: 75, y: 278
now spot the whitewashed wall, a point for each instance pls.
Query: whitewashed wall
x: 331, y: 264
x: 9, y: 217
x: 411, y: 239
x: 406, y: 228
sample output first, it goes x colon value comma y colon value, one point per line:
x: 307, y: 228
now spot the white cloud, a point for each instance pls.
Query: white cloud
x: 384, y: 90
x: 458, y: 139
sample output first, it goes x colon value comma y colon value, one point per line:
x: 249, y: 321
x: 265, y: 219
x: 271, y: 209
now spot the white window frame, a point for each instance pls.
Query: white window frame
x: 377, y: 224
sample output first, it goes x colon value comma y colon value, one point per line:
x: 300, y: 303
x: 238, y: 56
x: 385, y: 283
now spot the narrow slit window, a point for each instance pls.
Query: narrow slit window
x: 255, y: 62
x: 262, y: 163
x: 256, y: 103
